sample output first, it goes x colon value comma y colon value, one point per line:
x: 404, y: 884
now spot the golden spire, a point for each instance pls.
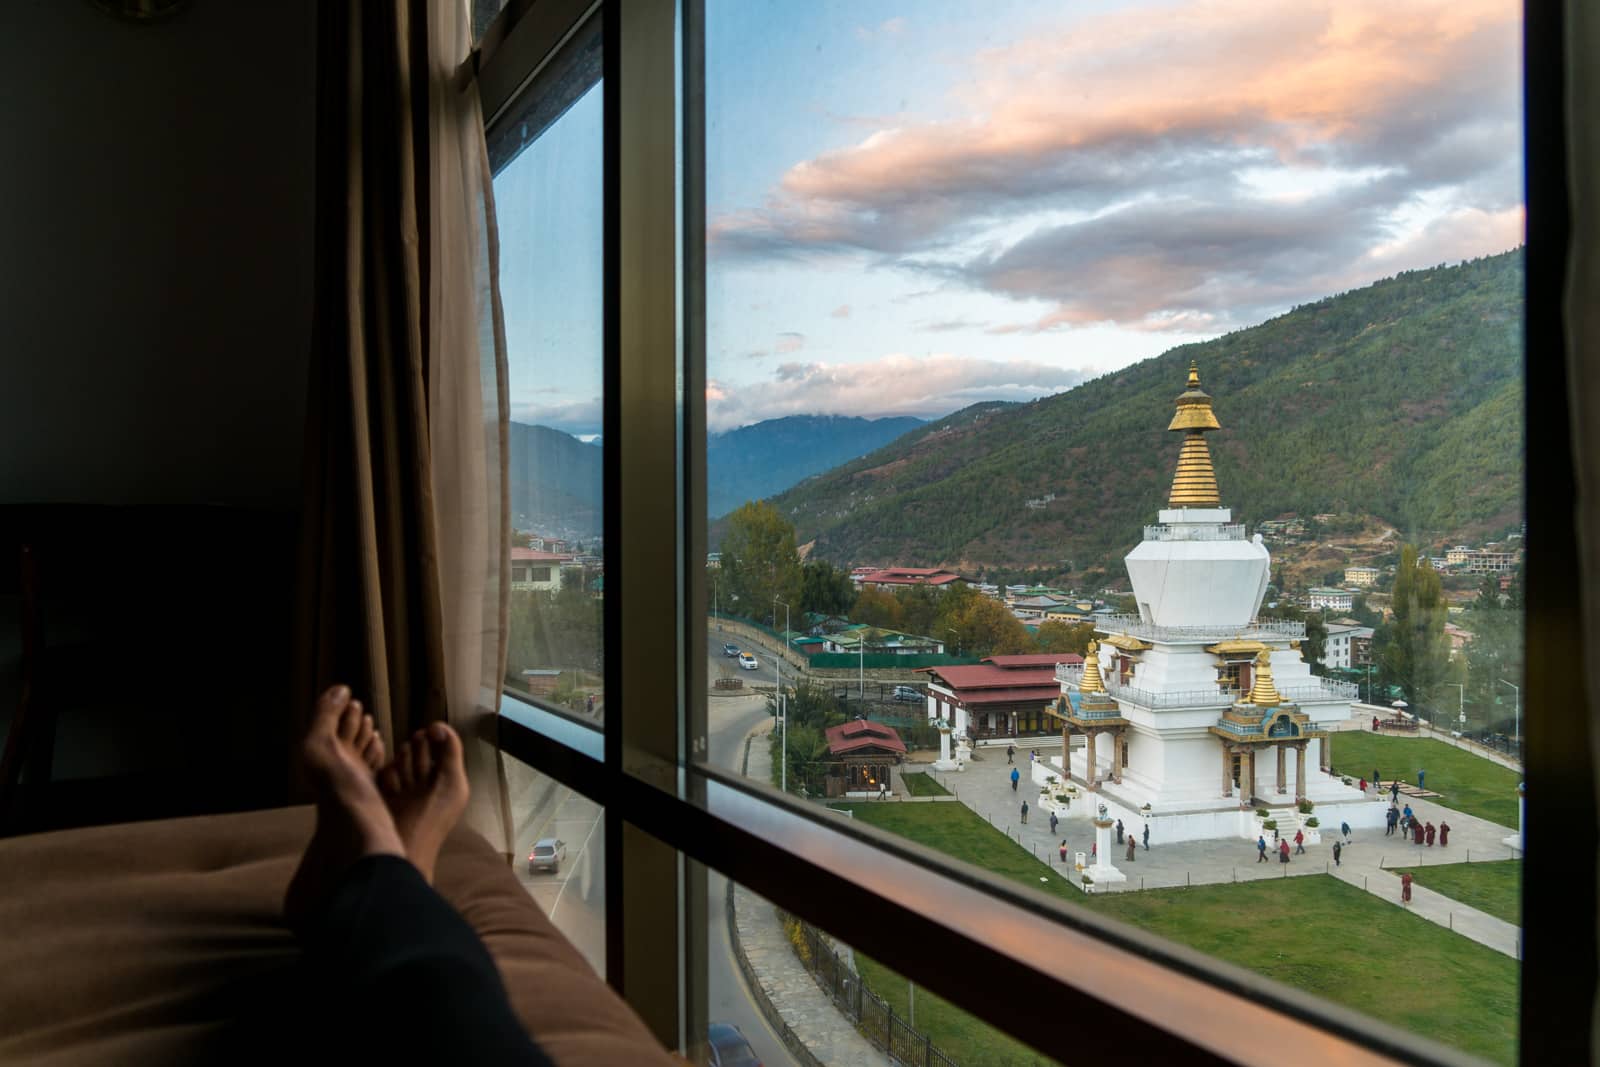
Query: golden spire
x: 1195, y: 483
x: 1092, y: 682
x: 1263, y: 694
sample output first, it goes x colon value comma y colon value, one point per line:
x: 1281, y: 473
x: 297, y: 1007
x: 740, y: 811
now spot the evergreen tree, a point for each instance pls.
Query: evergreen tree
x: 1417, y: 652
x: 1064, y: 637
x: 826, y: 589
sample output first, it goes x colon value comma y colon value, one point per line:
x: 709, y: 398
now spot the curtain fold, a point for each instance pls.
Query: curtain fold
x: 404, y: 595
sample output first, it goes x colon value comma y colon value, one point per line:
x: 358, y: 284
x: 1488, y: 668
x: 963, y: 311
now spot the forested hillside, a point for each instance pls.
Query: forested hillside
x: 1402, y: 400
x: 555, y: 482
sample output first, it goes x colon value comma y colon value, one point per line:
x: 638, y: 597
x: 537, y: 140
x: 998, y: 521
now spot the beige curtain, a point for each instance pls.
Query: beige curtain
x: 403, y: 592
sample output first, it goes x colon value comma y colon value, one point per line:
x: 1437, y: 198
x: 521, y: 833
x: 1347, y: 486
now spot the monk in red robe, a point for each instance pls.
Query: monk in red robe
x: 1405, y: 888
x: 1416, y: 830
x: 1444, y: 833
x: 1430, y: 831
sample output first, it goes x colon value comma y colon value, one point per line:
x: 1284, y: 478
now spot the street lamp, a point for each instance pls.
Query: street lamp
x: 1461, y: 708
x: 783, y: 701
x: 1516, y: 729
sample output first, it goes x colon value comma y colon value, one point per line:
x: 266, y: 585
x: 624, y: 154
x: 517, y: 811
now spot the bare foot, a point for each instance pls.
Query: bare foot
x: 426, y: 789
x: 340, y: 752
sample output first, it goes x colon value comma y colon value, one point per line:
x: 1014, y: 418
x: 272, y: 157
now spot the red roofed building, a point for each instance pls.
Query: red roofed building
x: 862, y: 754
x: 895, y: 577
x: 1002, y: 697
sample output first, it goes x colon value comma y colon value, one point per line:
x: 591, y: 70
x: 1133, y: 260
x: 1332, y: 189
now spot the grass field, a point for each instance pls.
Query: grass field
x: 1463, y: 781
x: 969, y: 1041
x: 922, y: 784
x: 1495, y: 888
x: 1312, y: 933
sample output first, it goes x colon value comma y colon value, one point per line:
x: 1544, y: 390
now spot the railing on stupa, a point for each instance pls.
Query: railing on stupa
x: 1323, y: 690
x: 1203, y: 532
x: 1134, y: 626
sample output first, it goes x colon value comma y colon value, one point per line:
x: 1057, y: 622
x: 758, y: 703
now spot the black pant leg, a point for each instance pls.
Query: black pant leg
x: 404, y: 976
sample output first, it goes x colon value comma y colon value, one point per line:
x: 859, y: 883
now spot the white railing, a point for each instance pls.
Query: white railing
x: 1134, y: 626
x: 1199, y: 532
x: 1321, y: 691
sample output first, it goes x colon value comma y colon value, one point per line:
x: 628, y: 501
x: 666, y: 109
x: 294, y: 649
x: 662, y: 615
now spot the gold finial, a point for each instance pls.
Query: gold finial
x: 1092, y: 682
x: 1194, y: 485
x: 1263, y: 694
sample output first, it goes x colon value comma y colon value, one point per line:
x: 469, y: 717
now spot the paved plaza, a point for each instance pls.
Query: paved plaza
x: 985, y: 787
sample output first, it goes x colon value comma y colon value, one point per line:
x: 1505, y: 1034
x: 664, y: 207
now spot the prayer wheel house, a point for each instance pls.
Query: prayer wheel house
x: 1180, y: 704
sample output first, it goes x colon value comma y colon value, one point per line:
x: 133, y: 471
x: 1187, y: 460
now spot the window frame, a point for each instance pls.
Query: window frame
x: 672, y: 814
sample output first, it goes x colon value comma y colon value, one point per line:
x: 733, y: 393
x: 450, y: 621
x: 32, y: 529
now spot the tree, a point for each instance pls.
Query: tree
x: 1064, y: 637
x: 826, y: 589
x: 1417, y: 652
x: 985, y: 627
x: 877, y: 608
x: 759, y: 560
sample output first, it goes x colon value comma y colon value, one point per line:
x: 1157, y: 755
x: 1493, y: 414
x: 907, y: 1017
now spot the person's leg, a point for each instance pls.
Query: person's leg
x: 390, y: 969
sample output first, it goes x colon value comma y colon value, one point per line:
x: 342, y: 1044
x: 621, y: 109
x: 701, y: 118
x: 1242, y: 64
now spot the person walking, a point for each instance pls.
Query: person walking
x: 1016, y: 776
x: 1261, y: 849
x: 1363, y: 786
x: 1377, y: 783
x: 1344, y: 828
x: 1011, y: 750
x: 1444, y: 834
x: 1119, y: 831
x: 1147, y: 837
x: 1133, y: 846
x: 1420, y: 774
x: 1299, y: 842
x: 1390, y: 818
x: 1374, y: 729
x: 1053, y: 821
x: 1283, y: 852
x: 1063, y: 850
x: 1337, y: 849
x: 1429, y: 829
x: 1405, y: 888
x: 1024, y: 813
x: 1407, y: 815
x: 1416, y: 832
x: 1394, y: 791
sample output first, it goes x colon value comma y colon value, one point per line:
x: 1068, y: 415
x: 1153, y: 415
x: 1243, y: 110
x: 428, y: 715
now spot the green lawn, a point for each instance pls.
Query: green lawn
x: 1463, y: 781
x: 922, y: 784
x: 1313, y: 933
x: 969, y: 1041
x: 1495, y: 888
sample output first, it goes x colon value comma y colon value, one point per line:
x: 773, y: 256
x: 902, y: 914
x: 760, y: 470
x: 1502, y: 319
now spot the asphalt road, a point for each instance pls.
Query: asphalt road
x: 574, y: 896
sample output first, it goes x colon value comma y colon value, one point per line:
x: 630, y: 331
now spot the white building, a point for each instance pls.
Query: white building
x: 1332, y: 599
x: 1178, y: 705
x: 1344, y: 642
x: 532, y: 569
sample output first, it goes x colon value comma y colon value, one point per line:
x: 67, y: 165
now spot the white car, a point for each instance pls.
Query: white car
x: 747, y: 661
x: 547, y: 854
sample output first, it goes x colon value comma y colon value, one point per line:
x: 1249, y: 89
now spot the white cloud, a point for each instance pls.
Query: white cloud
x: 898, y: 384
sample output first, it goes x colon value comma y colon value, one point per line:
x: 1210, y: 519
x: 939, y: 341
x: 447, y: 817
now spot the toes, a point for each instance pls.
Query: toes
x: 331, y: 705
x: 446, y: 744
x: 372, y: 752
x: 422, y: 756
x: 350, y: 721
x: 363, y: 732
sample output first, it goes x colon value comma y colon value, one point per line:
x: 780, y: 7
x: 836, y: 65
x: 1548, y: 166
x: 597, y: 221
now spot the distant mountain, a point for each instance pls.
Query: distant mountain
x: 757, y: 461
x: 1402, y: 401
x: 555, y: 482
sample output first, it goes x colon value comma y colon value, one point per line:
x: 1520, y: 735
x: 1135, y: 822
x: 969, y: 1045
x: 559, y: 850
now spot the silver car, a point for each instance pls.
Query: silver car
x: 547, y: 854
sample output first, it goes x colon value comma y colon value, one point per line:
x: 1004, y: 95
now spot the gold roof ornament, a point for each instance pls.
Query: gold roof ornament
x: 1194, y: 485
x: 1263, y: 694
x: 1092, y: 682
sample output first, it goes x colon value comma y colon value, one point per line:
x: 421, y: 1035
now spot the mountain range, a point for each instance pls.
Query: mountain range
x: 556, y: 478
x: 1401, y: 401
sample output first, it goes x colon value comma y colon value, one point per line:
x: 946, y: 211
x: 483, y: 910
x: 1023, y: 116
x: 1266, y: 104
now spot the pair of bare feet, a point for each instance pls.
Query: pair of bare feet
x: 367, y: 807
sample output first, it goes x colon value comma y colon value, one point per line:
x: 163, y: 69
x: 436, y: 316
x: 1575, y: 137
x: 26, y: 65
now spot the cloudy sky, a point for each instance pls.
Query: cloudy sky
x: 914, y: 206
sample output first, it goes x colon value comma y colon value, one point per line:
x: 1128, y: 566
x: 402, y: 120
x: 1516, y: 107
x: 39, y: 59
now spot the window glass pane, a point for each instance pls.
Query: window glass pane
x: 1109, y: 415
x: 547, y: 155
x: 560, y: 856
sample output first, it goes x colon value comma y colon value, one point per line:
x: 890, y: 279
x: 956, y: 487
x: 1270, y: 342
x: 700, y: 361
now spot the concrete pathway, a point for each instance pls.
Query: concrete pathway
x: 985, y: 787
x: 808, y: 1020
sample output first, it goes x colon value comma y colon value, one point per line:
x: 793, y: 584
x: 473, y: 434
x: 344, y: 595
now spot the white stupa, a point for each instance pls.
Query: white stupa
x: 1195, y: 713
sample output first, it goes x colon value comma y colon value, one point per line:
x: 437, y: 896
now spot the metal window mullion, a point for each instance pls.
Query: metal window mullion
x: 643, y: 546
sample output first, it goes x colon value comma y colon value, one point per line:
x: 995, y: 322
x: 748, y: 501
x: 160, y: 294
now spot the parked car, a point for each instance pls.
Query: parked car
x: 547, y: 854
x: 730, y: 650
x: 747, y: 661
x: 909, y: 694
x: 726, y: 1047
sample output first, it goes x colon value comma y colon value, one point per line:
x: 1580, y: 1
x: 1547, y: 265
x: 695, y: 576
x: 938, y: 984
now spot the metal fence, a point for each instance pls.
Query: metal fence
x: 870, y: 1013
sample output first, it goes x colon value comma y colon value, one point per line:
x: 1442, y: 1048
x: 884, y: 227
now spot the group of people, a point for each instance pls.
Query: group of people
x: 1418, y: 830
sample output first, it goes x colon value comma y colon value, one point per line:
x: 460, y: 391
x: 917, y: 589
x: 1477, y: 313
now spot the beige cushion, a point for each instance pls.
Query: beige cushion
x: 137, y: 943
